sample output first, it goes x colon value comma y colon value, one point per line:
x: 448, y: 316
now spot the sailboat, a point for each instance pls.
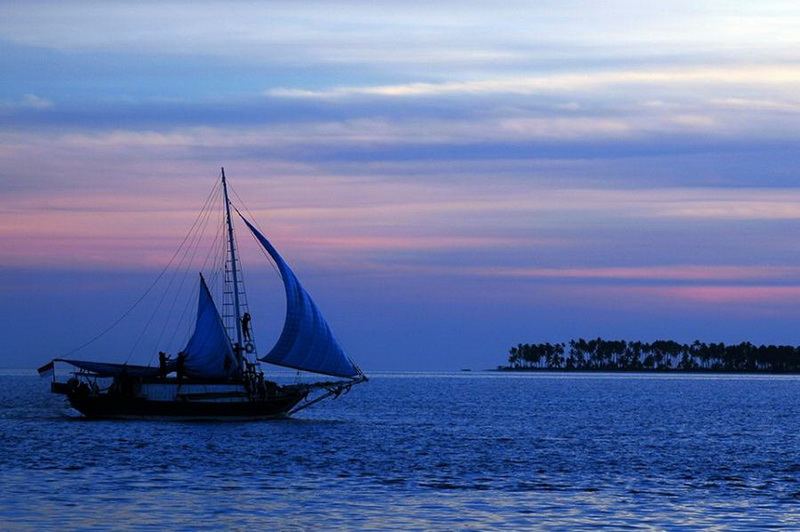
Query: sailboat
x: 218, y: 375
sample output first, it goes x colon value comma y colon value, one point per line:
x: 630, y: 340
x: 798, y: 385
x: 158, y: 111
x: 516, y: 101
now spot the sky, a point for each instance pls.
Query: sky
x: 447, y: 178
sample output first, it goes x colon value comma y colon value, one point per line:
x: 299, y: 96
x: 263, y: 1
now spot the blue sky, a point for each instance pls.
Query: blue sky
x: 449, y: 179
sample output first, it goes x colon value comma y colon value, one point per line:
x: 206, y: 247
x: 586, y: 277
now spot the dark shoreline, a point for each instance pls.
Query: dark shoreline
x: 659, y: 356
x: 502, y: 369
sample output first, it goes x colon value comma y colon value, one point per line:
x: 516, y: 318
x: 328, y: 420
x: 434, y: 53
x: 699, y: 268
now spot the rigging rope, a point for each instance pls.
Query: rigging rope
x: 217, y: 250
x: 186, y: 263
x: 253, y: 221
x: 147, y: 291
x: 196, y: 232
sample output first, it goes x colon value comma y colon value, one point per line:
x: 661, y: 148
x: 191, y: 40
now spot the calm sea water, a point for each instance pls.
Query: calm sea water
x: 453, y: 451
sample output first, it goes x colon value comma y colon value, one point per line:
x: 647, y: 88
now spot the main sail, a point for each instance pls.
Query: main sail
x: 306, y: 342
x: 209, y: 353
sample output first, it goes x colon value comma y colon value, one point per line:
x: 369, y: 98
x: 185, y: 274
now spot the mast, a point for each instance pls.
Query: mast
x: 234, y: 273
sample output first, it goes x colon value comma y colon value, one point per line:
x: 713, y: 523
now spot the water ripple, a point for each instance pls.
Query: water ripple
x: 501, y: 452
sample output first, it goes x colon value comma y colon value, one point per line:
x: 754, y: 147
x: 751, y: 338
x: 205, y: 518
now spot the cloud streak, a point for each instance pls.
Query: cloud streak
x: 685, y: 273
x: 735, y: 75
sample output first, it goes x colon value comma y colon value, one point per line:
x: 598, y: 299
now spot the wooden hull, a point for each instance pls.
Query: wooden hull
x: 113, y: 408
x: 168, y: 402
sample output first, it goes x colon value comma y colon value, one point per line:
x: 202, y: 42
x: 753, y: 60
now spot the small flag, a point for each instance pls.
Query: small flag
x: 47, y: 370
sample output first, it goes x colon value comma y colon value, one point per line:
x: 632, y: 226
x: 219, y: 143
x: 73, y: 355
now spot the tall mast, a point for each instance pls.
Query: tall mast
x: 234, y: 272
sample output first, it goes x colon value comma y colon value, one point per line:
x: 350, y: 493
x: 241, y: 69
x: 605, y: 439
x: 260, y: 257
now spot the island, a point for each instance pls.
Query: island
x: 661, y: 355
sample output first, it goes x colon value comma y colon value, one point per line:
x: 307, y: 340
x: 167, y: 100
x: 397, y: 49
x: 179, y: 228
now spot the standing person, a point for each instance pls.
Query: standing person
x: 179, y: 366
x: 237, y: 353
x: 162, y: 364
x: 246, y: 326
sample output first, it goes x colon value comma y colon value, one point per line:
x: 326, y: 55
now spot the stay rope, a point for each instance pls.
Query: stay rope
x: 149, y: 288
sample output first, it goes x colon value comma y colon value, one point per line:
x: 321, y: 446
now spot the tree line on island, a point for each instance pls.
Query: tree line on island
x: 661, y: 355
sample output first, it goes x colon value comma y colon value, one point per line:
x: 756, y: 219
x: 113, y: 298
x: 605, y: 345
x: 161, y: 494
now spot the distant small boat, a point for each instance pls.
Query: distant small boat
x: 217, y: 374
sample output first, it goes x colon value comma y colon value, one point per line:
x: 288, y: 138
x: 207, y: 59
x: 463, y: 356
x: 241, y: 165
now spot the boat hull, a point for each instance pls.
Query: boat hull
x: 117, y: 408
x: 171, y: 403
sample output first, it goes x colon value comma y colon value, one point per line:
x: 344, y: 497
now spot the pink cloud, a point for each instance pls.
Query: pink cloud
x: 728, y: 294
x: 416, y: 242
x: 666, y: 273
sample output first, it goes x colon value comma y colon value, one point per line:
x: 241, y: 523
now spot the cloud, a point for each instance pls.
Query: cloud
x: 684, y: 273
x: 664, y: 79
x: 744, y: 204
x: 756, y: 105
x: 31, y: 100
x: 605, y: 116
x: 27, y: 102
x: 503, y: 227
x: 726, y: 295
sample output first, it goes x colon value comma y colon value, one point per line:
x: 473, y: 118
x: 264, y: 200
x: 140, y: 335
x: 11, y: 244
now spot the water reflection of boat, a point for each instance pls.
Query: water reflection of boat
x: 218, y: 374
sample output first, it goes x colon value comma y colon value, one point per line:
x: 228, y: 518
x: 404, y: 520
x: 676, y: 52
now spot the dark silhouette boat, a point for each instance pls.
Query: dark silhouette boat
x: 218, y: 373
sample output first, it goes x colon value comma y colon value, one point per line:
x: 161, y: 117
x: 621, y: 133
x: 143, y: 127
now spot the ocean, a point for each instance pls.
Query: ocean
x: 469, y: 450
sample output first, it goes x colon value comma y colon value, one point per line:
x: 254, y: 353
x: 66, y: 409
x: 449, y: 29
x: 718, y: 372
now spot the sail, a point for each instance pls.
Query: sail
x: 306, y: 342
x: 209, y: 353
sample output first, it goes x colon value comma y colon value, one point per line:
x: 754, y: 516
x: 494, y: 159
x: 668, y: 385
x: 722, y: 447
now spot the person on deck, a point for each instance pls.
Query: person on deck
x: 179, y: 366
x: 246, y: 326
x: 237, y: 352
x: 162, y: 364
